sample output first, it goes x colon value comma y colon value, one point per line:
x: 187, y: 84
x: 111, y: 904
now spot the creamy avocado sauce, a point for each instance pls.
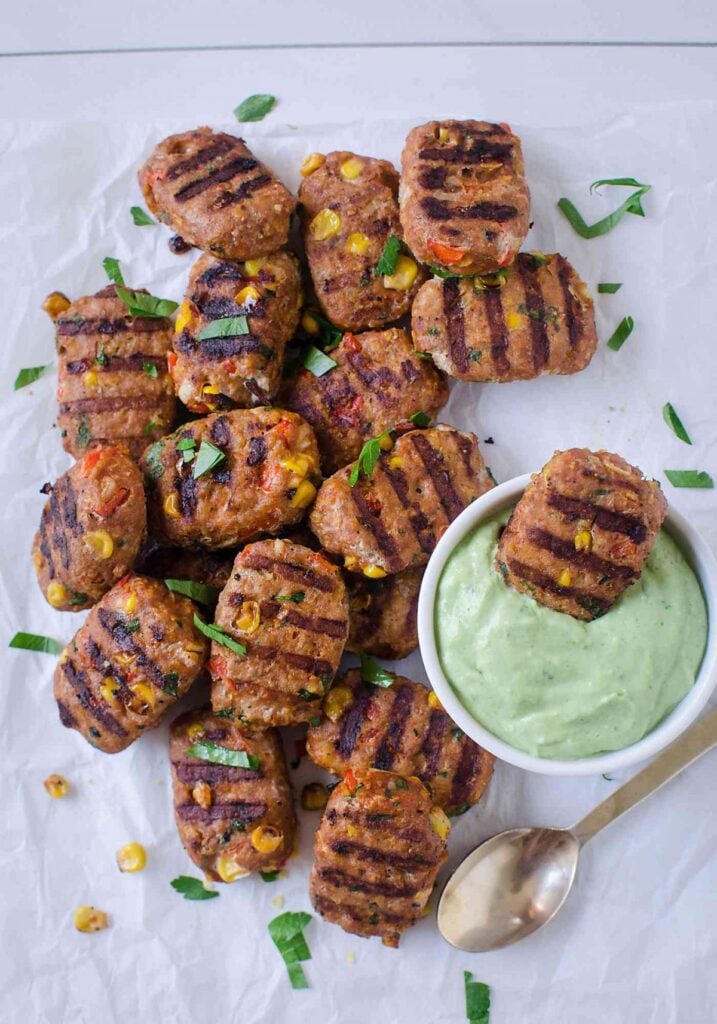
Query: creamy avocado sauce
x: 554, y: 686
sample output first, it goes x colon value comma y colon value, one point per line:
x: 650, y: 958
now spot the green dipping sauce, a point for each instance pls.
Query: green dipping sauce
x: 554, y: 686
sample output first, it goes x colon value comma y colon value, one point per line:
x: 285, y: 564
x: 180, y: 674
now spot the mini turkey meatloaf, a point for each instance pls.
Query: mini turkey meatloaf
x: 393, y: 519
x: 223, y: 370
x: 465, y: 205
x: 540, y: 321
x: 287, y: 606
x: 210, y: 189
x: 224, y: 479
x: 377, y: 852
x: 113, y: 383
x: 382, y: 614
x: 349, y: 208
x: 378, y: 381
x: 136, y: 655
x: 232, y: 819
x: 581, y: 532
x: 91, y: 529
x: 401, y: 728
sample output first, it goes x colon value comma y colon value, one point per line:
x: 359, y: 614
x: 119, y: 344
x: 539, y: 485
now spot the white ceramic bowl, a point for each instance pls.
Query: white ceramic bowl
x: 683, y: 714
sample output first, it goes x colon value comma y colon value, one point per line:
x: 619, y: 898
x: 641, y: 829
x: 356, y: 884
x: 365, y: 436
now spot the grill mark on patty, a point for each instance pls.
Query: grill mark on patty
x: 311, y: 623
x: 59, y: 539
x: 186, y: 488
x: 324, y: 905
x: 441, y: 209
x: 290, y: 571
x: 432, y: 745
x: 586, y: 599
x: 352, y: 722
x: 565, y: 549
x: 390, y: 744
x: 377, y: 379
x: 221, y: 433
x: 344, y: 848
x: 77, y: 680
x: 216, y: 307
x: 338, y: 396
x: 365, y: 621
x: 466, y: 771
x: 66, y: 717
x: 613, y: 522
x: 367, y: 819
x: 499, y: 342
x: 433, y: 462
x: 68, y: 504
x: 419, y: 522
x: 102, y: 663
x: 231, y: 169
x: 479, y: 151
x: 116, y: 626
x: 372, y: 522
x: 341, y: 879
x: 465, y: 449
x: 247, y: 188
x: 45, y: 545
x: 134, y: 363
x: 536, y: 304
x: 211, y: 349
x: 573, y: 308
x: 190, y: 772
x: 303, y: 662
x: 455, y: 323
x: 240, y: 811
x: 105, y: 325
x: 432, y: 177
x: 118, y: 403
x: 221, y: 272
x: 217, y: 147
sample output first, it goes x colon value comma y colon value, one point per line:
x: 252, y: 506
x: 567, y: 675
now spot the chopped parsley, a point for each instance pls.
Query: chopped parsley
x: 84, y: 434
x: 255, y: 108
x: 690, y: 478
x: 207, y: 458
x: 477, y: 1000
x: 420, y: 420
x: 297, y: 597
x: 141, y: 304
x: 371, y: 672
x: 317, y: 362
x: 101, y: 358
x: 433, y: 331
x: 140, y: 217
x: 219, y: 636
x: 633, y: 204
x: 201, y: 592
x: 329, y: 336
x: 192, y: 888
x: 226, y: 327
x: 287, y: 934
x: 609, y: 287
x: 35, y: 642
x: 150, y: 369
x: 674, y: 422
x: 204, y: 750
x: 621, y: 333
x: 269, y: 876
x: 549, y: 315
x: 29, y: 375
x: 307, y: 695
x: 389, y: 257
x: 111, y: 267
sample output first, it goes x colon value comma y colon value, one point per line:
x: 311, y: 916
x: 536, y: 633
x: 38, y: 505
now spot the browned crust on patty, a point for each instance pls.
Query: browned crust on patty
x: 382, y: 614
x: 200, y: 566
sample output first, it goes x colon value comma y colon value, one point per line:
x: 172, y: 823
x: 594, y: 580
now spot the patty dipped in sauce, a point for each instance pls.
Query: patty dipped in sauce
x: 232, y: 329
x: 137, y: 653
x: 232, y: 818
x: 536, y: 317
x: 211, y: 189
x: 377, y: 852
x: 382, y: 614
x: 465, y: 204
x: 220, y: 481
x: 287, y: 607
x: 91, y: 529
x: 378, y: 381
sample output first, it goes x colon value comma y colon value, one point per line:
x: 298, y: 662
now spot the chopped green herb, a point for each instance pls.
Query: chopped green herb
x: 400, y: 783
x: 192, y: 888
x: 690, y: 478
x: 201, y: 592
x: 368, y: 457
x: 287, y: 934
x: 269, y: 876
x: 226, y: 327
x: 371, y: 672
x: 149, y: 428
x: 633, y: 204
x: 171, y: 684
x: 457, y: 733
x: 477, y: 1000
x: 297, y: 597
x: 329, y: 336
x: 420, y: 420
x: 35, y: 642
x: 141, y: 304
x: 153, y: 460
x: 317, y: 362
x: 84, y: 434
x: 101, y: 358
x: 549, y: 315
x: 219, y: 636
x: 631, y: 182
x: 445, y: 274
x: 141, y: 218
x: 132, y: 625
x: 208, y: 457
x: 307, y: 695
x: 315, y: 721
x: 674, y: 422
x: 433, y: 331
x: 389, y: 257
x: 216, y: 754
x: 111, y: 267
x: 539, y: 260
x: 224, y: 713
x: 489, y: 471
x: 255, y: 108
x: 150, y: 369
x: 608, y: 288
x: 422, y: 355
x: 29, y: 375
x: 621, y: 333
x: 461, y: 809
x: 186, y: 443
x: 475, y: 355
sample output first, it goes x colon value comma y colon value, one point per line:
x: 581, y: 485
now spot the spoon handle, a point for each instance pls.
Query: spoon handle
x: 693, y: 743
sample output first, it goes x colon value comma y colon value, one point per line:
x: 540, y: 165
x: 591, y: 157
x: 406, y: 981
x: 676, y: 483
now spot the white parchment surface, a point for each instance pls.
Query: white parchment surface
x: 636, y: 942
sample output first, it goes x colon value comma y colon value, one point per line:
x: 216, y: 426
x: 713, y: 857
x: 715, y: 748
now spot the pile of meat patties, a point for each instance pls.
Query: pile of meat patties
x: 301, y: 501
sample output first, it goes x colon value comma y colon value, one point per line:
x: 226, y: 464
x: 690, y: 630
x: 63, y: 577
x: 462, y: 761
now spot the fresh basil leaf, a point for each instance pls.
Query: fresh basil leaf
x: 35, y: 642
x: 184, y: 444
x: 150, y: 369
x: 608, y: 288
x: 29, y: 375
x: 269, y: 876
x: 255, y: 108
x: 621, y: 333
x: 368, y: 457
x: 141, y: 218
x: 226, y: 327
x: 631, y: 182
x: 477, y: 1000
x: 633, y: 204
x: 207, y: 458
x: 389, y: 257
x: 371, y: 672
x: 329, y: 336
x: 140, y: 304
x: 201, y: 592
x: 317, y: 362
x: 217, y: 634
x: 690, y: 478
x: 111, y: 267
x: 216, y: 754
x: 192, y: 888
x: 674, y: 422
x: 420, y: 420
x: 287, y: 934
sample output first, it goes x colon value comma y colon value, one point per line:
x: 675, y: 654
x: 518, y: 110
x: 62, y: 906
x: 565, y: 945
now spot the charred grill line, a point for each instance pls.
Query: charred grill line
x: 565, y: 549
x: 59, y: 539
x: 303, y: 662
x: 440, y: 476
x: 116, y: 626
x: 118, y: 364
x: 310, y: 623
x: 433, y: 177
x: 45, y: 547
x: 100, y: 325
x: 499, y: 342
x: 229, y: 170
x: 480, y: 151
x: 419, y: 522
x: 247, y: 188
x: 224, y: 144
x: 433, y: 744
x: 544, y: 582
x: 324, y: 905
x: 372, y: 522
x: 220, y: 348
x: 66, y: 717
x: 290, y: 571
x: 116, y: 404
x: 190, y: 772
x: 343, y: 880
x: 222, y: 272
x: 440, y: 209
x: 455, y: 323
x: 240, y: 811
x: 344, y: 848
x: 77, y: 680
x: 102, y: 663
x: 378, y: 380
x: 573, y: 309
x: 613, y: 522
x: 535, y: 303
x: 352, y: 722
x: 468, y: 767
x: 391, y: 741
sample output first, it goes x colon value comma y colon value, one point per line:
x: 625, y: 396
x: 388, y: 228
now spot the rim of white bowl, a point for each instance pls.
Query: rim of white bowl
x: 704, y: 564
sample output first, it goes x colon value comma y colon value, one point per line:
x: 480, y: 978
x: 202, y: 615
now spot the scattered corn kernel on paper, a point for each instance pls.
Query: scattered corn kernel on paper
x: 636, y: 940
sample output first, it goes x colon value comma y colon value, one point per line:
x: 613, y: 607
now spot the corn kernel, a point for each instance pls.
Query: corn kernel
x: 278, y: 901
x: 314, y: 797
x: 426, y: 909
x: 565, y: 578
x: 350, y: 561
x: 130, y: 604
x: 88, y: 919
x: 386, y: 443
x: 583, y: 540
x: 311, y: 163
x: 374, y: 572
x: 403, y: 276
x: 433, y: 701
x: 228, y: 869
x: 202, y: 794
x: 100, y: 543
x: 57, y: 786
x: 439, y: 822
x: 252, y: 267
x: 171, y: 505
x: 357, y: 243
x: 351, y: 831
x: 351, y: 168
x: 248, y: 296
x: 266, y: 838
x: 57, y: 594
x: 337, y: 701
x: 443, y: 134
x: 210, y: 389
x: 65, y: 656
x: 304, y: 495
x: 195, y: 731
x: 395, y: 462
x: 325, y: 224
x: 146, y: 698
x: 131, y: 858
x: 514, y: 319
x: 300, y: 464
x: 184, y: 316
x: 248, y: 618
x: 90, y: 379
x: 310, y: 324
x: 109, y: 689
x: 55, y: 304
x: 124, y: 658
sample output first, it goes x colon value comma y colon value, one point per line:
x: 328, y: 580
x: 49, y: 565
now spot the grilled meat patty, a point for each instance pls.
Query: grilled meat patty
x: 113, y: 383
x: 540, y: 321
x: 264, y: 482
x: 401, y: 728
x: 210, y: 189
x: 212, y: 568
x: 377, y: 853
x: 91, y: 529
x: 379, y: 381
x: 581, y: 532
x: 382, y: 614
x: 230, y: 370
x: 465, y: 204
x: 393, y: 519
x: 349, y: 210
x: 287, y: 605
x: 231, y: 820
x: 137, y: 653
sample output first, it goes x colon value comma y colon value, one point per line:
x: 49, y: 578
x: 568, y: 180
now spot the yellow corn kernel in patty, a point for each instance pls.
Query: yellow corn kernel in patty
x: 55, y: 304
x: 124, y: 658
x: 109, y: 689
x: 146, y: 698
x: 266, y: 838
x: 395, y: 462
x: 351, y: 831
x: 57, y: 786
x: 90, y: 379
x: 100, y: 543
x: 311, y: 163
x: 57, y: 594
x: 195, y: 731
x: 442, y: 134
x: 229, y: 870
x: 304, y: 495
x: 386, y: 443
x: 248, y: 296
x: 565, y: 578
x: 314, y: 797
x: 300, y: 464
x: 439, y: 822
x: 350, y: 561
x: 210, y: 389
x: 252, y: 267
x: 357, y: 243
x: 202, y: 794
x: 583, y: 540
x: 131, y: 858
x: 183, y: 317
x: 351, y: 168
x: 433, y: 701
x: 374, y: 572
x: 514, y: 319
x: 403, y: 276
x: 130, y: 604
x: 171, y: 505
x: 325, y: 224
x: 88, y: 919
x: 336, y: 702
x: 248, y: 618
x: 310, y: 324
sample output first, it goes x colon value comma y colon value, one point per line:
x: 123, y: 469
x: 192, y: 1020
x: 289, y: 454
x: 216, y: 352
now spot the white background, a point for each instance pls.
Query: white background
x: 636, y: 944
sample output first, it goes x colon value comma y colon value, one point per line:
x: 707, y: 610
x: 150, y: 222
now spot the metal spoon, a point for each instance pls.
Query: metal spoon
x: 516, y: 882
